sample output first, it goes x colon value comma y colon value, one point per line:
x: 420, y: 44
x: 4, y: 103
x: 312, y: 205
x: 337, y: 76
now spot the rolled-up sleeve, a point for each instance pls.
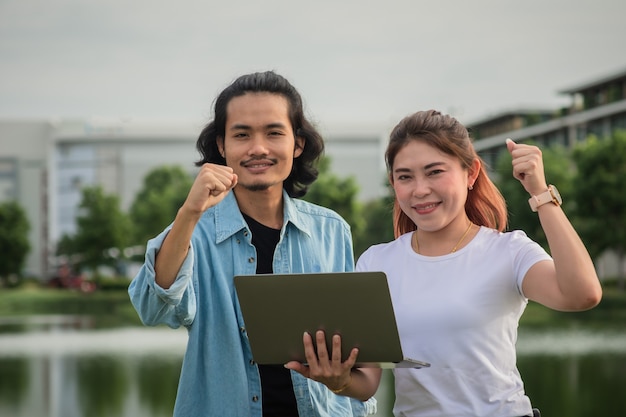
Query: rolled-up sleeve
x: 155, y: 305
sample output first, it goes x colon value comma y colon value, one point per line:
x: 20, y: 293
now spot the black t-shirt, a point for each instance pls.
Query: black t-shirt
x: 276, y: 386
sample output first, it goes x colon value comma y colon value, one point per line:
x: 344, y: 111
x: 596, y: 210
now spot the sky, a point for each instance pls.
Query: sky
x: 355, y: 62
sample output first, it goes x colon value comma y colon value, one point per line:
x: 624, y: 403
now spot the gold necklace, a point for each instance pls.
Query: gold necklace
x: 417, y: 246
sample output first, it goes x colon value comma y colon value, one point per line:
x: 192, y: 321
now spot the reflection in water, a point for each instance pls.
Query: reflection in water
x: 104, y: 383
x: 590, y: 385
x: 157, y: 380
x: 58, y: 368
x: 13, y: 382
x: 88, y: 385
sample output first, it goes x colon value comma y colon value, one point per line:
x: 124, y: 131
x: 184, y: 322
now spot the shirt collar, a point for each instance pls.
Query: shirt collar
x: 293, y: 215
x: 228, y: 218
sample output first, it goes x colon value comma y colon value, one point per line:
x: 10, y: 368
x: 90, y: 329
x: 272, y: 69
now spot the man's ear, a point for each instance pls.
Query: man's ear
x: 220, y: 145
x: 299, y: 148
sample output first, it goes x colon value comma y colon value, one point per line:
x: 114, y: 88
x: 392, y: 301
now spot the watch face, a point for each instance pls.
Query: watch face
x: 556, y: 196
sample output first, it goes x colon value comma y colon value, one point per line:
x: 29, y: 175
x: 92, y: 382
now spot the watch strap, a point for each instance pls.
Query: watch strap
x: 539, y: 200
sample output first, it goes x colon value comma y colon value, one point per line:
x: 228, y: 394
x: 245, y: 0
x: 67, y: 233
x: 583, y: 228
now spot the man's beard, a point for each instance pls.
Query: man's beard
x: 262, y: 186
x: 256, y: 187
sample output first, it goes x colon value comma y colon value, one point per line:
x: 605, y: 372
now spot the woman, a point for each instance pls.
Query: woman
x: 459, y: 283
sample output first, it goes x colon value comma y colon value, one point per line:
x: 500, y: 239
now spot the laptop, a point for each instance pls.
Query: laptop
x: 278, y: 308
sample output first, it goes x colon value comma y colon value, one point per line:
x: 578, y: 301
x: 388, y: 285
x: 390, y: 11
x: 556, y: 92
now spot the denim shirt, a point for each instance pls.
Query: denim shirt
x: 218, y: 375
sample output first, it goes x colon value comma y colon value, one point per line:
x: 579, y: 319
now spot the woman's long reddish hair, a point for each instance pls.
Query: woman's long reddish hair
x: 485, y: 205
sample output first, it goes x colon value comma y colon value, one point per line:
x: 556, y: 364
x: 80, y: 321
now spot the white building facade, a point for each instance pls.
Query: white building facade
x: 44, y: 164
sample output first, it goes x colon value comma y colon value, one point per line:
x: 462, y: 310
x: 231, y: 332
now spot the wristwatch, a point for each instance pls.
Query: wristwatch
x: 550, y: 196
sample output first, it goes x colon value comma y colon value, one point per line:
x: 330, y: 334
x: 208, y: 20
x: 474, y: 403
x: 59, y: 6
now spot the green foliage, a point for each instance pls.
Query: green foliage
x: 601, y: 193
x: 14, y: 244
x: 559, y: 171
x: 164, y: 191
x: 337, y: 194
x: 371, y: 222
x: 378, y: 219
x: 103, y: 230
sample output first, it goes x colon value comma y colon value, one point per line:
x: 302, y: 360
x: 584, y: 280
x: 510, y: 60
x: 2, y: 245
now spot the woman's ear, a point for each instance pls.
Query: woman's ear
x: 473, y: 172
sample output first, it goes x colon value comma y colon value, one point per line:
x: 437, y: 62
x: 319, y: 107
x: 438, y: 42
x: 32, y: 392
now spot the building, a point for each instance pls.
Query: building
x: 598, y: 107
x: 45, y: 163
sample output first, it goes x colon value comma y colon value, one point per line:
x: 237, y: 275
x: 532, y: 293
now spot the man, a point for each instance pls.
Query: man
x: 241, y: 216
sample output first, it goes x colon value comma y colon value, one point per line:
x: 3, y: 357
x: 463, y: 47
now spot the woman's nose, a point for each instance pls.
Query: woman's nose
x: 421, y: 189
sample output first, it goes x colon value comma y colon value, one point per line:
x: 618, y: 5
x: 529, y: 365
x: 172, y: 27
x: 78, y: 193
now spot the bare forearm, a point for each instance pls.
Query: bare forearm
x: 175, y: 248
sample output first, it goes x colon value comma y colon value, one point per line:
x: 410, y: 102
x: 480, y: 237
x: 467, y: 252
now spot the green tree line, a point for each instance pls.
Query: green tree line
x: 591, y: 178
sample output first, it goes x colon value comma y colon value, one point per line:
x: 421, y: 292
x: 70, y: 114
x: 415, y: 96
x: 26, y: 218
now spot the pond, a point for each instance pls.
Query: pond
x: 60, y: 366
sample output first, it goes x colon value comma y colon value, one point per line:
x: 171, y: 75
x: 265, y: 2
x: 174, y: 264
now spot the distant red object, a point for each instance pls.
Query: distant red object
x: 65, y: 278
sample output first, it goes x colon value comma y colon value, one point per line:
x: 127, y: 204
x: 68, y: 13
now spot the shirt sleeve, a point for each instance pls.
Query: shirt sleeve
x: 526, y: 253
x: 155, y: 305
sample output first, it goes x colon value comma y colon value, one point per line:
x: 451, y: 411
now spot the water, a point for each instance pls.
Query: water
x: 60, y: 366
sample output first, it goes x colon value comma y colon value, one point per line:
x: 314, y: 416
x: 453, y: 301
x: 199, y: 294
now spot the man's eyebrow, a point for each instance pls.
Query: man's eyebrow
x: 241, y: 126
x: 276, y: 125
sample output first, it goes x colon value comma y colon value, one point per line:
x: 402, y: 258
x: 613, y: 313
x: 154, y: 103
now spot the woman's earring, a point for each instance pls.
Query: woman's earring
x: 471, y: 187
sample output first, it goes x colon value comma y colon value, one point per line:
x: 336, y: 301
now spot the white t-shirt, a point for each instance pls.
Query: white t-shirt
x: 460, y: 313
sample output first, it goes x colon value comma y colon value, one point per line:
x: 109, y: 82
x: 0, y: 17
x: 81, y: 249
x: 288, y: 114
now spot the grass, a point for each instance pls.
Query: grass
x: 610, y: 312
x: 112, y: 307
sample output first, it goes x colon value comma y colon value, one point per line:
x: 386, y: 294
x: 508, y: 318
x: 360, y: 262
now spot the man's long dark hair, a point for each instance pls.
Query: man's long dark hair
x: 304, y: 170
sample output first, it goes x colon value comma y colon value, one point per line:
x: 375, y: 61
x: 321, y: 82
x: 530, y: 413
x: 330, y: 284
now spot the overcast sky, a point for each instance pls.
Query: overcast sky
x: 354, y: 61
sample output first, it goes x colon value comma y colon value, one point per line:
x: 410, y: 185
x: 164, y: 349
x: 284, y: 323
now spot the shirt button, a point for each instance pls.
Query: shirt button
x: 255, y: 398
x: 238, y: 241
x: 251, y: 362
x: 245, y: 233
x: 251, y: 260
x: 243, y: 329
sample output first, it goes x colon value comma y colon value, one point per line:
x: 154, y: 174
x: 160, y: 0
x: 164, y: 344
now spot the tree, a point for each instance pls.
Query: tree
x: 164, y: 191
x: 601, y: 195
x: 103, y: 231
x: 378, y: 224
x: 14, y: 244
x: 337, y: 194
x: 559, y: 170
